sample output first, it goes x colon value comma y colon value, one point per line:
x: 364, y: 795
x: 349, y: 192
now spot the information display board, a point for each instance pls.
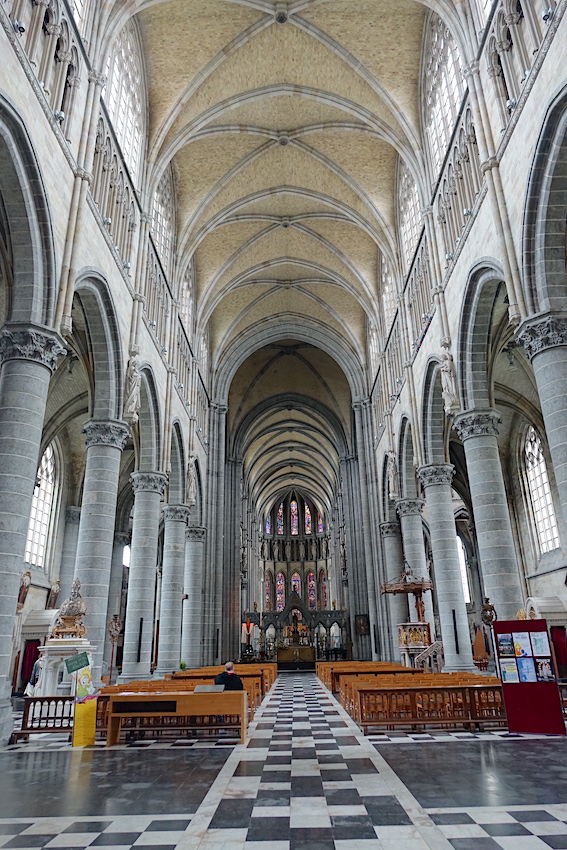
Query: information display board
x: 527, y: 668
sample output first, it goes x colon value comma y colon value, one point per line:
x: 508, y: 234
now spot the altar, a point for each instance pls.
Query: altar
x: 292, y: 654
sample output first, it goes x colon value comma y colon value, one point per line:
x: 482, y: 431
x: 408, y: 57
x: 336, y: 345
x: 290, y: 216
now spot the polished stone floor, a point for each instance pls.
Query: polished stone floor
x: 307, y: 779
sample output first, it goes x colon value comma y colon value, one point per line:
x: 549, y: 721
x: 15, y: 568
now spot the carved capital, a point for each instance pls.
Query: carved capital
x: 433, y: 473
x: 72, y: 515
x: 470, y: 69
x: 149, y: 482
x: 220, y: 409
x: 31, y: 343
x: 477, y: 424
x: 389, y: 529
x: 97, y: 78
x: 121, y: 538
x: 196, y: 533
x: 538, y: 333
x: 112, y: 434
x: 409, y: 507
x: 176, y: 513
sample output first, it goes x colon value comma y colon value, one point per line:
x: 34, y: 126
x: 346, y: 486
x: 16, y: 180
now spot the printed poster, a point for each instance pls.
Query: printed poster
x: 527, y: 670
x: 540, y: 643
x: 505, y: 645
x: 522, y: 645
x: 544, y: 669
x: 509, y: 671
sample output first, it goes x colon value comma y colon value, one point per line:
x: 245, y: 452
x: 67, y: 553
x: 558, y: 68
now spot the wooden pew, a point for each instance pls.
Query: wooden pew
x: 175, y: 711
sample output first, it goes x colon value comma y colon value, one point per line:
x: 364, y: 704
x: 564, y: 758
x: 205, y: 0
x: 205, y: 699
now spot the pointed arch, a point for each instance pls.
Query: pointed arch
x: 149, y: 424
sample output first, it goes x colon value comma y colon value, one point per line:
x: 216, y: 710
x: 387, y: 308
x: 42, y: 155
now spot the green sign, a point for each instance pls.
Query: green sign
x: 77, y: 662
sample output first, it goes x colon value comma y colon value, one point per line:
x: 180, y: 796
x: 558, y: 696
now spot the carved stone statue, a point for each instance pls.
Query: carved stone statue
x: 276, y: 550
x: 191, y: 482
x: 449, y: 382
x: 393, y: 476
x: 132, y: 390
x: 302, y: 551
x: 288, y: 551
x: 313, y: 550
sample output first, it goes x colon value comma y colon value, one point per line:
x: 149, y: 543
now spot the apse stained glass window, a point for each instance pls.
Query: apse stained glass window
x: 296, y: 583
x: 40, y: 515
x: 280, y: 592
x: 540, y: 492
x: 279, y: 519
x: 311, y: 592
x: 268, y: 524
x: 268, y: 589
x: 324, y: 602
x: 294, y: 517
x: 320, y: 526
x: 308, y: 523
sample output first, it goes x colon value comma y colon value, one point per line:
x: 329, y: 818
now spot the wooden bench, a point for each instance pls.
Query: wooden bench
x: 421, y: 703
x: 176, y: 711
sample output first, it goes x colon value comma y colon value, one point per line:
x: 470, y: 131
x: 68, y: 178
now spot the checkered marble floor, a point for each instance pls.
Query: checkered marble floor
x: 439, y: 737
x: 306, y: 779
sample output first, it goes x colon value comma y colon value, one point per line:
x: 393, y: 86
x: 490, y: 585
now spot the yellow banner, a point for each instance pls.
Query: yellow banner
x: 84, y: 724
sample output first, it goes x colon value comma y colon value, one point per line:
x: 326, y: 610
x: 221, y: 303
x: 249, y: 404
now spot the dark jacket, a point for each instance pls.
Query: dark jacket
x: 231, y: 681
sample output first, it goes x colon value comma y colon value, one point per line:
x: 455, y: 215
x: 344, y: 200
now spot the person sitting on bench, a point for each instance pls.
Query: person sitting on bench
x: 230, y: 679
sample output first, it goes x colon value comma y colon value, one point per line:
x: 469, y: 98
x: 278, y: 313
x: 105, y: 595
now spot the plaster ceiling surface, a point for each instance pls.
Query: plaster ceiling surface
x: 284, y: 140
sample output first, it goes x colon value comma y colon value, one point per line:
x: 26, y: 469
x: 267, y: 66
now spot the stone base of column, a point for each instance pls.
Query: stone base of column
x: 132, y: 676
x: 6, y: 714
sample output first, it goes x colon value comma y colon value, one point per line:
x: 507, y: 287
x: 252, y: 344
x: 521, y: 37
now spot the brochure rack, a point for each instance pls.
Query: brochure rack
x: 525, y: 661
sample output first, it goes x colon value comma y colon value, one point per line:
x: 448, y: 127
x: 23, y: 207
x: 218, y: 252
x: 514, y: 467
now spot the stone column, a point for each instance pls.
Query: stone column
x: 138, y: 628
x: 544, y: 338
x: 114, y: 588
x: 169, y: 648
x: 193, y: 621
x: 29, y: 356
x: 69, y: 551
x: 394, y: 562
x: 478, y: 430
x: 436, y: 479
x: 409, y: 512
x: 105, y: 441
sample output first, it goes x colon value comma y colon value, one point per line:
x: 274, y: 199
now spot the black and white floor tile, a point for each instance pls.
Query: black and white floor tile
x: 306, y: 779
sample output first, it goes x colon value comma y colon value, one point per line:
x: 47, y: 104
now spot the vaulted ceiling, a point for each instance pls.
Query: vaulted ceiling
x: 283, y: 124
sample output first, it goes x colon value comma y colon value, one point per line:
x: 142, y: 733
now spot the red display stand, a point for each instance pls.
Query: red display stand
x: 526, y: 666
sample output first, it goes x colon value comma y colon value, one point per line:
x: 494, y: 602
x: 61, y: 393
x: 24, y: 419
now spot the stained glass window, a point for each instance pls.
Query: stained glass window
x: 268, y: 524
x: 40, y: 515
x: 311, y: 592
x: 279, y: 519
x: 268, y: 589
x: 294, y: 516
x: 540, y: 492
x: 320, y: 526
x: 324, y: 601
x: 280, y: 592
x: 308, y: 525
x: 296, y: 583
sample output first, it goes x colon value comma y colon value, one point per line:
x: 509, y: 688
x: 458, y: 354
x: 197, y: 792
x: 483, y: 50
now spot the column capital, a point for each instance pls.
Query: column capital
x: 111, y: 433
x: 149, y: 482
x: 28, y: 342
x: 409, y: 507
x: 175, y: 513
x: 196, y: 533
x: 72, y: 515
x: 538, y: 333
x: 477, y: 423
x: 471, y: 69
x: 389, y: 529
x: 97, y: 77
x: 436, y: 473
x: 121, y: 538
x: 220, y: 409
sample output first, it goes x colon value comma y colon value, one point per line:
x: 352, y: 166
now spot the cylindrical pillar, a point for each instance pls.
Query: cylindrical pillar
x: 394, y: 564
x: 114, y: 590
x: 105, y: 441
x: 544, y: 338
x: 478, y: 430
x: 29, y: 356
x: 409, y: 512
x: 192, y: 631
x: 174, y: 527
x: 138, y: 629
x: 436, y: 479
x: 69, y: 551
